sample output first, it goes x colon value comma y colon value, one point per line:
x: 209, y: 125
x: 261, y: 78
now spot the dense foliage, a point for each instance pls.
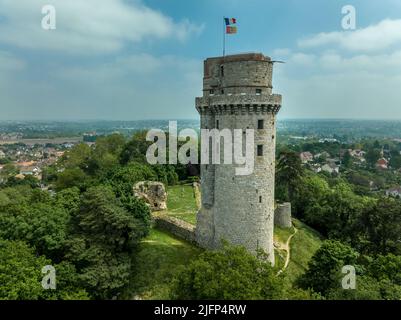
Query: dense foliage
x: 88, y: 224
x: 376, y: 278
x: 363, y: 231
x: 88, y: 229
x: 233, y: 273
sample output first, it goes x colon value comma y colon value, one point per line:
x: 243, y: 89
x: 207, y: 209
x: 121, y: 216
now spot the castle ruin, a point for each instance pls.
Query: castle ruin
x: 237, y: 94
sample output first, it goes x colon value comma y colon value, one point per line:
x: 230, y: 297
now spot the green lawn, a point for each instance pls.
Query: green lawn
x: 282, y: 234
x: 181, y: 203
x: 303, y: 246
x: 160, y: 254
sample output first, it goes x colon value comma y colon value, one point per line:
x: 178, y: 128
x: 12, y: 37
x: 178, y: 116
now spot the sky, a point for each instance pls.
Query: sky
x: 143, y: 59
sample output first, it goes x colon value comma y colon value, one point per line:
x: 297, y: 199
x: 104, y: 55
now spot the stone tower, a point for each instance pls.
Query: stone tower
x: 237, y: 94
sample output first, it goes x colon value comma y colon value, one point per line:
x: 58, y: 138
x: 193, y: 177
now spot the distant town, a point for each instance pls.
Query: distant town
x: 343, y: 148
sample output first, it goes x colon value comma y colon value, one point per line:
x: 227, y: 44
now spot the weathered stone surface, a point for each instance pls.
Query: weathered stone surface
x: 154, y: 194
x: 198, y: 197
x: 179, y: 228
x: 282, y: 215
x: 237, y: 93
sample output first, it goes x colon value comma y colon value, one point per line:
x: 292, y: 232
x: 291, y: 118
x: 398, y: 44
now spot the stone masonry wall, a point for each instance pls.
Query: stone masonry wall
x: 177, y: 227
x: 282, y: 215
x: 239, y: 209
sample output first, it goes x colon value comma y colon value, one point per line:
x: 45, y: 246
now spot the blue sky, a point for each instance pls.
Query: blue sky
x: 132, y: 59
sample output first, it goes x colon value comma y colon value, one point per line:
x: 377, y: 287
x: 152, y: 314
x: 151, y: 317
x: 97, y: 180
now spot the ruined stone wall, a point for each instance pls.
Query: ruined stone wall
x: 177, y: 227
x: 153, y: 193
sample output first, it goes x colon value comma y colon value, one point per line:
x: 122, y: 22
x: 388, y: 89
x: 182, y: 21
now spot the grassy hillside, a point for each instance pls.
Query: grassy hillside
x: 303, y: 246
x: 159, y: 256
x: 181, y: 202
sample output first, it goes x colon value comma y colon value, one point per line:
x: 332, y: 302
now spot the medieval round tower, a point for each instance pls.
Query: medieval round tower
x: 237, y: 94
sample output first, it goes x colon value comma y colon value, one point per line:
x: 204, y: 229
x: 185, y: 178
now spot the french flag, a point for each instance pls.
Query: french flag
x: 230, y: 21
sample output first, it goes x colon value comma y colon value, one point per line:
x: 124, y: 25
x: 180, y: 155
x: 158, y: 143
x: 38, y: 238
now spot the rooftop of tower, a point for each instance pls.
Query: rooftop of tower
x: 249, y: 56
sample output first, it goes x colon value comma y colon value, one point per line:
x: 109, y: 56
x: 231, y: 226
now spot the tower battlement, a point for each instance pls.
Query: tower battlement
x: 238, y: 74
x: 237, y: 94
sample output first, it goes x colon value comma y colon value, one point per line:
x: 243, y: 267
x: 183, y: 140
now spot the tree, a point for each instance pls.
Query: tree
x: 347, y: 160
x: 49, y: 174
x: 230, y: 273
x: 101, y: 271
x: 289, y: 173
x: 27, y: 180
x: 337, y: 213
x: 21, y: 275
x: 372, y: 156
x: 20, y: 271
x: 324, y: 269
x: 135, y: 150
x: 105, y: 155
x: 367, y: 288
x: 68, y: 199
x: 104, y: 235
x: 102, y: 218
x: 123, y: 178
x: 395, y: 162
x: 311, y: 192
x: 37, y: 221
x: 9, y: 170
x: 386, y: 267
x: 68, y: 284
x: 380, y: 225
x: 77, y: 157
x: 166, y: 174
x: 379, y: 278
x: 72, y: 177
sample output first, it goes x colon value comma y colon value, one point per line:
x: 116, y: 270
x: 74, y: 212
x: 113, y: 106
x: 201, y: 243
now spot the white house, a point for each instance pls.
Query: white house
x: 331, y: 168
x: 306, y: 156
x: 394, y: 192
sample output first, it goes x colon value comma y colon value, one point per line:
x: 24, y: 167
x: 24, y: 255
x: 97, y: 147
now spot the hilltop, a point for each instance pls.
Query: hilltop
x: 161, y: 254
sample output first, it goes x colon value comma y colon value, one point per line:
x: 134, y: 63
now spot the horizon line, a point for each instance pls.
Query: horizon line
x: 191, y: 119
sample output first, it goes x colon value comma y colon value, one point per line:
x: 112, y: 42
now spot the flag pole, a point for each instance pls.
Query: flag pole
x: 224, y: 37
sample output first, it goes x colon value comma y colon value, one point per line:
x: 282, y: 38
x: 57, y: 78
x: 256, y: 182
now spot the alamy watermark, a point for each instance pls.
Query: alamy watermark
x: 348, y: 282
x: 49, y: 279
x: 348, y: 22
x: 49, y: 19
x: 226, y: 146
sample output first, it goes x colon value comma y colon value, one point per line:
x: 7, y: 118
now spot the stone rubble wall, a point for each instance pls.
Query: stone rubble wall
x: 177, y: 227
x: 153, y: 193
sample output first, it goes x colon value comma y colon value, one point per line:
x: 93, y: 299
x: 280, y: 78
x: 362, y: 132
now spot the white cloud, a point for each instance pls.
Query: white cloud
x: 139, y: 86
x: 89, y: 26
x: 133, y: 66
x: 334, y: 62
x: 333, y: 82
x: 303, y: 59
x: 344, y: 95
x: 383, y: 35
x: 380, y: 64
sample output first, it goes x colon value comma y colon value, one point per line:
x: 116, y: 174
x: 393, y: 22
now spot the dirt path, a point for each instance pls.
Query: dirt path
x: 287, y: 248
